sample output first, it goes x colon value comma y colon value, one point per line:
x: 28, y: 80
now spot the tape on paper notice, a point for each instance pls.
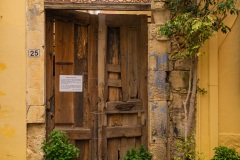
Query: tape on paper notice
x: 70, y: 83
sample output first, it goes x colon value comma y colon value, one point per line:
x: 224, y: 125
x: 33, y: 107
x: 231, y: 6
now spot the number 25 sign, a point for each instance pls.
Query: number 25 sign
x: 34, y: 53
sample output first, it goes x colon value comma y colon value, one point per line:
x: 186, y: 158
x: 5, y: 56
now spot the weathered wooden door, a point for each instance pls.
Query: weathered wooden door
x: 109, y: 115
x: 122, y: 84
x: 71, y: 49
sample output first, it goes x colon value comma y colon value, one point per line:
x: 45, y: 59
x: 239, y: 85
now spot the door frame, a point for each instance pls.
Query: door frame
x: 104, y: 129
x: 102, y: 28
x: 86, y: 130
x: 146, y: 6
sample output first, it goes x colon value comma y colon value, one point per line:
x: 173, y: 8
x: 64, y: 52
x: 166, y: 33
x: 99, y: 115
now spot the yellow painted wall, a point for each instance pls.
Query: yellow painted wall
x: 12, y: 80
x: 219, y: 109
x: 229, y: 85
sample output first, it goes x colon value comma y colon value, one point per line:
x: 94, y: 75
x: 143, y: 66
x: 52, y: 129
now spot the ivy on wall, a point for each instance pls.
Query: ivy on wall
x: 192, y: 23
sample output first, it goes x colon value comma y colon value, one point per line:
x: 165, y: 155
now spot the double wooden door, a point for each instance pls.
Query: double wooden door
x: 109, y: 115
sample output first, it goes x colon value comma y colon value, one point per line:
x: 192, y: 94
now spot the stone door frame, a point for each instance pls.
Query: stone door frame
x: 158, y: 48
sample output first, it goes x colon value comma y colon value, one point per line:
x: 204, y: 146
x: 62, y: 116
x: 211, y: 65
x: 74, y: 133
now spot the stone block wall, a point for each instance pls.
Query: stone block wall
x: 167, y: 88
x: 158, y: 86
x: 178, y: 79
x: 36, y: 127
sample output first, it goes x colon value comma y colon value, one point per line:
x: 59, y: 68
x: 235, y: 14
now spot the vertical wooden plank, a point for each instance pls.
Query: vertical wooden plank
x: 83, y: 149
x: 124, y: 62
x: 113, y: 149
x: 81, y: 105
x: 124, y: 147
x: 93, y: 83
x: 102, y: 39
x: 79, y: 55
x: 143, y: 69
x: 130, y: 77
x: 132, y: 61
x: 104, y: 144
x: 138, y: 142
x: 113, y: 57
x: 81, y: 112
x: 49, y: 75
x: 64, y: 48
x: 127, y: 143
x: 64, y: 32
x: 132, y: 71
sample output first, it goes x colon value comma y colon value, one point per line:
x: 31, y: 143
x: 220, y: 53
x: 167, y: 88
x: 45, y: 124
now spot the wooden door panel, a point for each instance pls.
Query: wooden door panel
x: 132, y: 72
x: 142, y: 73
x: 113, y: 53
x: 64, y: 42
x: 93, y: 85
x: 81, y: 103
x: 124, y: 63
x: 72, y: 42
x: 81, y: 114
x: 110, y: 53
x: 113, y: 88
x: 124, y: 115
x: 64, y: 65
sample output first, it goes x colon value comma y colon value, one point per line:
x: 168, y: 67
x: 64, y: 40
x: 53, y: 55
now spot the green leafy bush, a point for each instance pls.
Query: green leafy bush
x: 138, y: 154
x: 193, y: 22
x: 58, y: 147
x: 187, y: 149
x: 224, y: 153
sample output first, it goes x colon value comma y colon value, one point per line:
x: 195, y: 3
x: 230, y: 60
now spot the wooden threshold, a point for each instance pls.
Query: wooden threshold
x: 98, y: 6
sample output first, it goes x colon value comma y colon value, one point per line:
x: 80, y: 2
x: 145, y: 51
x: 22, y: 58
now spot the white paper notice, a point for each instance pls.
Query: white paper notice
x: 70, y: 83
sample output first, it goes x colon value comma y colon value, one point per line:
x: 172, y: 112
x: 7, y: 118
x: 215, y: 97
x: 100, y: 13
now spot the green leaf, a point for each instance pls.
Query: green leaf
x: 195, y: 24
x: 59, y: 147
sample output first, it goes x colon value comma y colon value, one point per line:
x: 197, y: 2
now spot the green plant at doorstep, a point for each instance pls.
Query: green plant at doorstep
x: 58, y: 147
x: 138, y: 154
x: 224, y: 153
x: 187, y: 151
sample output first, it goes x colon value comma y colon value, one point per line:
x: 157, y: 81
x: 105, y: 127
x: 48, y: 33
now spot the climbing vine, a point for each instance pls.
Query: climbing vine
x: 192, y: 23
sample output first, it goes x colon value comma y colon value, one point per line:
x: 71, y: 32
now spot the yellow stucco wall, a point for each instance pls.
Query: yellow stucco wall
x: 12, y: 80
x: 219, y: 109
x: 229, y: 86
